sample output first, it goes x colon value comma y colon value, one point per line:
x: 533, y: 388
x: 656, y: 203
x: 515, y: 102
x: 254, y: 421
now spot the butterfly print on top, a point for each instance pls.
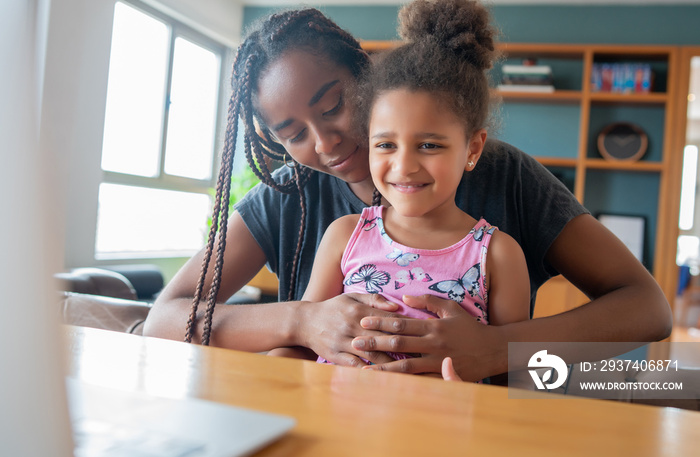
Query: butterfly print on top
x: 479, y: 233
x: 374, y: 279
x: 456, y: 289
x: 404, y: 277
x: 402, y: 258
x: 370, y: 223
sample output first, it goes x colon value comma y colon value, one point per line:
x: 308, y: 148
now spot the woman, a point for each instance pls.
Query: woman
x: 289, y: 79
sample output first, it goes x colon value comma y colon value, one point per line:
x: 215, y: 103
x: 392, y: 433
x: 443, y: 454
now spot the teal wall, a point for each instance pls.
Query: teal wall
x: 540, y: 24
x: 364, y: 22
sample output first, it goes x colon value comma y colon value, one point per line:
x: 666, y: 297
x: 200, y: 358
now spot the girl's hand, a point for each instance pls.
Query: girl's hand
x: 456, y: 334
x: 448, y: 370
x: 328, y: 327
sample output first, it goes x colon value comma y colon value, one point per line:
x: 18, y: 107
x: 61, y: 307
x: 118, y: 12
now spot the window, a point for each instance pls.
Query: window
x: 688, y: 187
x: 159, y: 145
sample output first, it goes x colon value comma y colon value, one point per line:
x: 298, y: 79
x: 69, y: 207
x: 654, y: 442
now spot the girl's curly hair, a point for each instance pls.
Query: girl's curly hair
x: 449, y: 46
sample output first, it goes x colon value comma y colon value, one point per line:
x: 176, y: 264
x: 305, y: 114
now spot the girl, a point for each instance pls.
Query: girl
x: 428, y: 107
x: 289, y: 80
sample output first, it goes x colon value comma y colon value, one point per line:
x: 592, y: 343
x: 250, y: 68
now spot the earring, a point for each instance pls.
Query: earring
x: 288, y: 159
x: 470, y: 163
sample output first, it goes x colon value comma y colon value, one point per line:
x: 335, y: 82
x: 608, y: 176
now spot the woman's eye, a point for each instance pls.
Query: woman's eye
x: 298, y: 137
x: 336, y: 108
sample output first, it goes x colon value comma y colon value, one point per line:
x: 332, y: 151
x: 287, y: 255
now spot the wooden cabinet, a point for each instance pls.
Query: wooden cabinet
x: 266, y: 281
x: 560, y: 130
x: 556, y: 296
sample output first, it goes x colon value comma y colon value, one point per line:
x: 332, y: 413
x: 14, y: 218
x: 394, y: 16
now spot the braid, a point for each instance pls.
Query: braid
x: 223, y: 186
x: 255, y: 153
x: 329, y: 28
x: 289, y: 18
x: 300, y: 239
x: 216, y: 281
x: 307, y: 28
x: 313, y: 20
x: 376, y: 198
x: 273, y: 149
x: 226, y: 170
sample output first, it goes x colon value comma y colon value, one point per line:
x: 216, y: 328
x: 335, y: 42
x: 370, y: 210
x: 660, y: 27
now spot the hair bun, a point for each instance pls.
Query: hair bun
x: 460, y: 25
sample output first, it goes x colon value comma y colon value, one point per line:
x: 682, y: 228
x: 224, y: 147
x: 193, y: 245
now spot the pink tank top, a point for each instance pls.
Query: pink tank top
x: 374, y: 263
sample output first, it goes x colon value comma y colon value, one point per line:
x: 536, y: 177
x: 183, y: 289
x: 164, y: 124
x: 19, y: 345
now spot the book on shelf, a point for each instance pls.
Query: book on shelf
x: 629, y: 78
x: 516, y: 77
x: 540, y: 88
x: 526, y: 69
x: 537, y: 80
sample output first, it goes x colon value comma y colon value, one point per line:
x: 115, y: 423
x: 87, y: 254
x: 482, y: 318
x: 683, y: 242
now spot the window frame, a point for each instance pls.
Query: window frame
x: 163, y: 180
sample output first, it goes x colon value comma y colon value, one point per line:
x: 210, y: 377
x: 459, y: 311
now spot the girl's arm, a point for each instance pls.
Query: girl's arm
x: 509, y: 290
x: 261, y: 327
x: 508, y: 281
x: 626, y: 305
x: 326, y: 275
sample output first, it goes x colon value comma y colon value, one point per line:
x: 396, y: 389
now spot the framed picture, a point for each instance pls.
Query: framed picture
x: 629, y: 229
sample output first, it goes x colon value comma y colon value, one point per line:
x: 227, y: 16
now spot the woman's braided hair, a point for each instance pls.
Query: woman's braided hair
x: 305, y: 29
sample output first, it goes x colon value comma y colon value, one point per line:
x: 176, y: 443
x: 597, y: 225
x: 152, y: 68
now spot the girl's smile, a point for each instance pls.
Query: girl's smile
x: 407, y: 188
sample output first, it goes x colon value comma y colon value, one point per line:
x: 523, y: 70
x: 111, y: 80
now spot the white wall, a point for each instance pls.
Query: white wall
x: 33, y: 411
x: 77, y: 64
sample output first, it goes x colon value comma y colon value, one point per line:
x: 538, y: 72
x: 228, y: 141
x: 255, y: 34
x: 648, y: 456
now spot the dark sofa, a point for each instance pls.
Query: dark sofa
x: 116, y: 299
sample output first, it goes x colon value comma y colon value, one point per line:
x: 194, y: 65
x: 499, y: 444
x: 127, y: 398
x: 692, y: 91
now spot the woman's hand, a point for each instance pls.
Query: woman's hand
x: 329, y: 327
x: 457, y: 334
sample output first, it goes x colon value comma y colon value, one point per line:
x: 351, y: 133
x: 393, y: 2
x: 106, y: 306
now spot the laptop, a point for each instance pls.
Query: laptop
x: 113, y: 423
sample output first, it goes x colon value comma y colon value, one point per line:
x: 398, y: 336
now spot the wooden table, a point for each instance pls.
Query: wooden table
x: 345, y: 411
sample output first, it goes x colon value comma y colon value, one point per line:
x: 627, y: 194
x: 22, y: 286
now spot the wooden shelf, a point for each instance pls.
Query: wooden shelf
x: 602, y: 164
x: 378, y: 45
x: 557, y: 162
x: 636, y: 52
x: 651, y: 98
x: 563, y: 51
x: 573, y: 96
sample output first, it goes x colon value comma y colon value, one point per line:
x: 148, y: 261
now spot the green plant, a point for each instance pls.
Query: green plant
x: 241, y: 183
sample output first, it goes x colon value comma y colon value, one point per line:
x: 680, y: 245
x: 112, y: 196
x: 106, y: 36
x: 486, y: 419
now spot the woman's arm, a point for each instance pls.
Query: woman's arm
x: 245, y: 327
x: 626, y: 305
x: 327, y: 327
x: 326, y: 275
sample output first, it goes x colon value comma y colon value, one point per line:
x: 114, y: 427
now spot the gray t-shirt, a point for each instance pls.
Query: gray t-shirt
x: 508, y: 188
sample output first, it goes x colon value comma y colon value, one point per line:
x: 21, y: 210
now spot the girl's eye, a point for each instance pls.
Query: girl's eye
x: 429, y: 146
x: 298, y: 137
x: 384, y: 146
x: 336, y: 108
